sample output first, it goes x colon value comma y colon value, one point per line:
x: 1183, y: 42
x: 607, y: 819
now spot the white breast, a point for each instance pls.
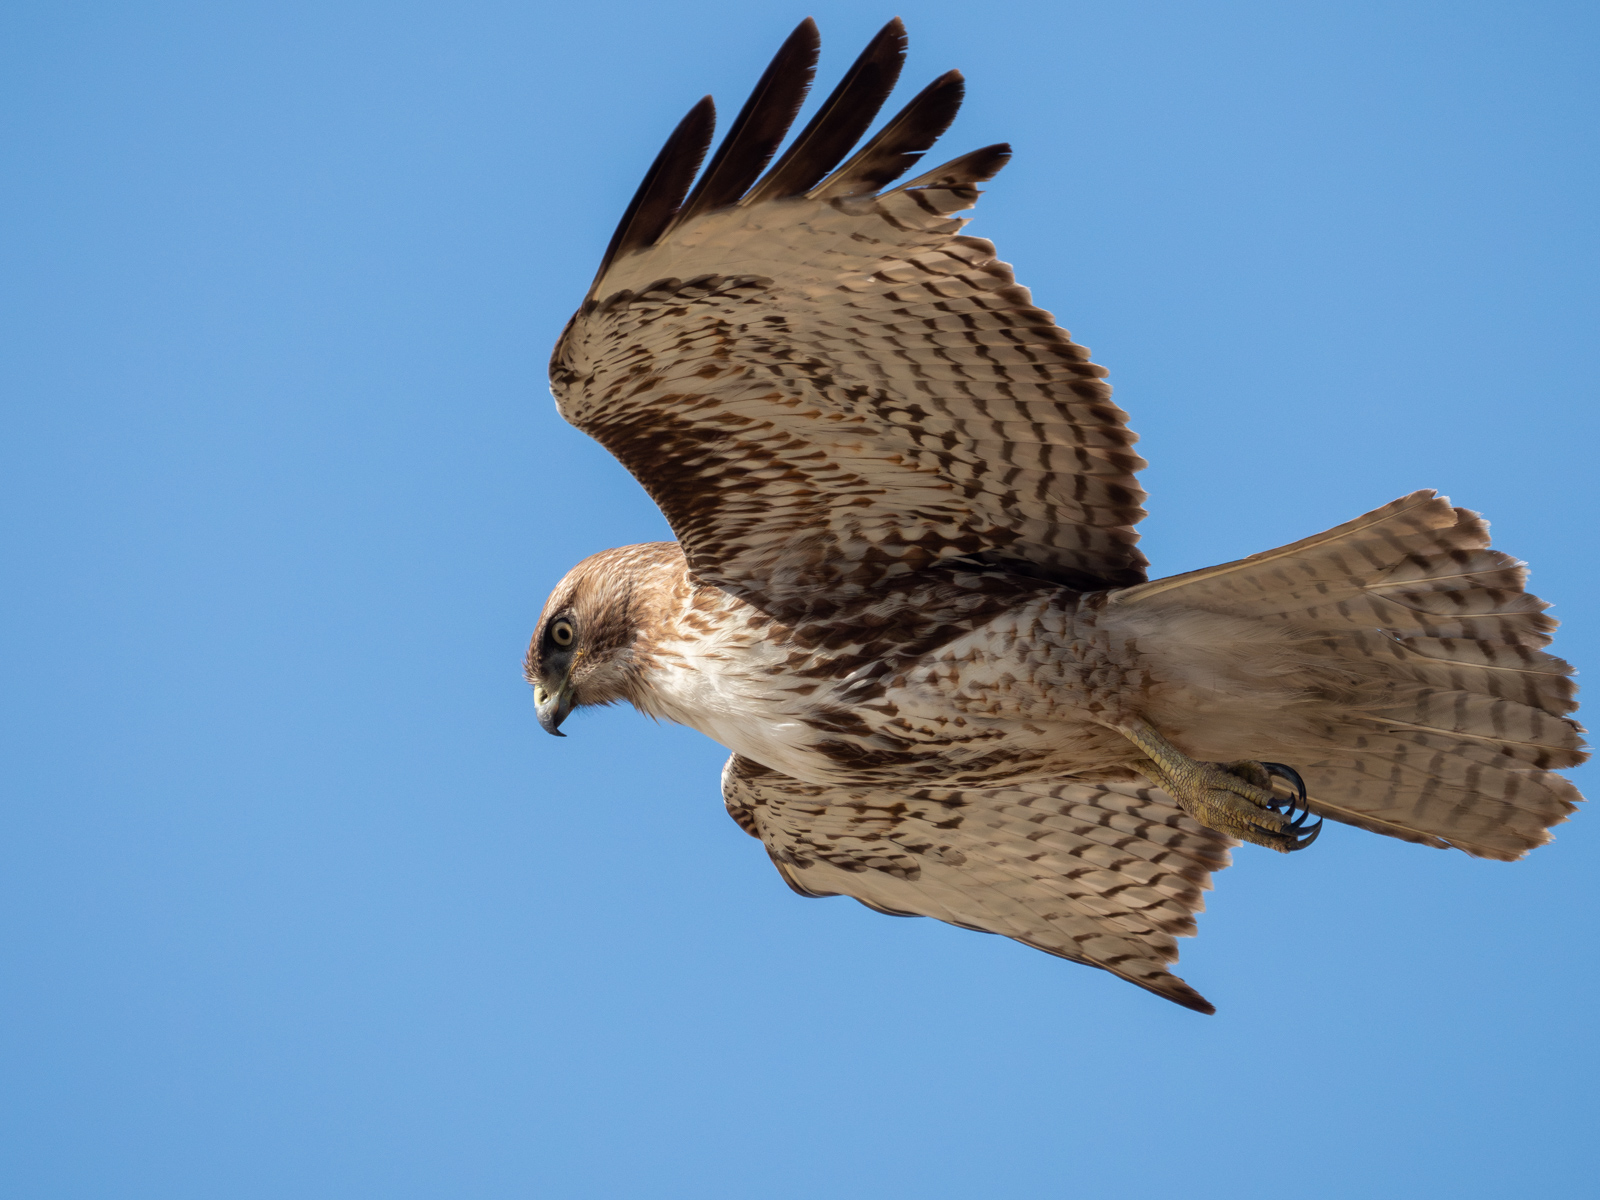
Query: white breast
x: 723, y: 691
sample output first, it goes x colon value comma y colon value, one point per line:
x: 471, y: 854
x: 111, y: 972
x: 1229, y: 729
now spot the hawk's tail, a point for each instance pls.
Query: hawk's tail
x: 1406, y: 671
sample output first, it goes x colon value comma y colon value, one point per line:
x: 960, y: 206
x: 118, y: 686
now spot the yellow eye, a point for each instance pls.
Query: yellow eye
x: 561, y: 633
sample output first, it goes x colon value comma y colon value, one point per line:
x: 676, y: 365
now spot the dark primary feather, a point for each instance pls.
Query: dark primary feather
x: 842, y: 119
x: 656, y: 202
x: 900, y: 143
x: 972, y: 167
x: 758, y: 131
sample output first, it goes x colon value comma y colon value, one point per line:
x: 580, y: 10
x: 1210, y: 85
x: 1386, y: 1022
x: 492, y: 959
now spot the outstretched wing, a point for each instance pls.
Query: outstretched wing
x: 1103, y: 874
x: 824, y: 387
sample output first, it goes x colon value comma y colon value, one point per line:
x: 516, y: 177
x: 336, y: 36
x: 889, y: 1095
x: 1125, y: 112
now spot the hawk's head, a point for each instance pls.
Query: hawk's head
x: 589, y: 647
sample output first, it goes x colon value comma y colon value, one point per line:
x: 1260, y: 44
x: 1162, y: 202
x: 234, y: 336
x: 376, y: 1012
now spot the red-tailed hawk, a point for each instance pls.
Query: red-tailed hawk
x: 907, y: 592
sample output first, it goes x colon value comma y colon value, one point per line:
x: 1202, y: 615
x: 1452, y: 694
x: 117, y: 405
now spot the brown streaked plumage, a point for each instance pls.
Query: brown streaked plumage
x: 907, y: 591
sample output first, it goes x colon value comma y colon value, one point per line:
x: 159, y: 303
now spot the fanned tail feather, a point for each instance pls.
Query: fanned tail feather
x: 1426, y: 707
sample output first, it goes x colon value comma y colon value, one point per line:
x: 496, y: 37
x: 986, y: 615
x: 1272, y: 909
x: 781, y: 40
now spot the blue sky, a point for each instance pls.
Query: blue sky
x: 295, y: 897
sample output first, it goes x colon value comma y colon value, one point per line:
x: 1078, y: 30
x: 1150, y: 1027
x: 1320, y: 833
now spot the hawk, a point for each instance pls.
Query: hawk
x: 907, y: 591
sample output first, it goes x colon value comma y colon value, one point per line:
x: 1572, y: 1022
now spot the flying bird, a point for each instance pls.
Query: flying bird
x: 908, y: 595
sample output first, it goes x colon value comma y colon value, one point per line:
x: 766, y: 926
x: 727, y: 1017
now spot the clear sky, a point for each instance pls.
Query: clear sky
x: 296, y: 899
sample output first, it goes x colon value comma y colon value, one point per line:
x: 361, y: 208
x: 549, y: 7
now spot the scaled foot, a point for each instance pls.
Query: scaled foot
x: 1235, y: 798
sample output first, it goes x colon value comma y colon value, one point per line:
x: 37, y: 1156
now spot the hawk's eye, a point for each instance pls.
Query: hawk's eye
x: 561, y: 632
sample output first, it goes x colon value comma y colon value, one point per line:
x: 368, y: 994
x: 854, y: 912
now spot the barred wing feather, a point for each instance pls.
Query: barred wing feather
x: 1103, y: 874
x: 829, y: 389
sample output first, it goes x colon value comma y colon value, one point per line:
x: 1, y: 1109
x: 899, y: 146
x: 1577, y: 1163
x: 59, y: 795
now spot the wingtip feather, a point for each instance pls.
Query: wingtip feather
x: 900, y: 143
x: 759, y: 129
x: 664, y: 186
x: 842, y: 119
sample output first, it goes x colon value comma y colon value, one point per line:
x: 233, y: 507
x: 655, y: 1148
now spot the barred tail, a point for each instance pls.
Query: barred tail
x: 1423, y: 703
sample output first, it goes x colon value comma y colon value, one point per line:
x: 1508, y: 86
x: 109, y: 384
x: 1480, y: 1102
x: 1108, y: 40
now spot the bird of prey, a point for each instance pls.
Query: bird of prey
x: 907, y: 592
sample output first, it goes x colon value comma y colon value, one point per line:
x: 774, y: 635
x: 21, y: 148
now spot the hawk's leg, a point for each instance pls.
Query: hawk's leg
x: 1235, y: 798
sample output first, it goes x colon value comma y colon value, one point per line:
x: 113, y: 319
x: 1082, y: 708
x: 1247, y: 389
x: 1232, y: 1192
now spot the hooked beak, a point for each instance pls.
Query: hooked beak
x: 552, y: 707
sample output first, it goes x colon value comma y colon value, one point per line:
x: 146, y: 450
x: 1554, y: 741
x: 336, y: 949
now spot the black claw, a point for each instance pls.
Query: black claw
x: 1295, y: 808
x: 1302, y: 843
x: 1292, y: 804
x: 1290, y: 776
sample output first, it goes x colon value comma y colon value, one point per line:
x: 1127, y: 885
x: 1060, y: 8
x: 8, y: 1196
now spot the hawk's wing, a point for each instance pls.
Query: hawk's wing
x: 1104, y: 874
x: 823, y: 386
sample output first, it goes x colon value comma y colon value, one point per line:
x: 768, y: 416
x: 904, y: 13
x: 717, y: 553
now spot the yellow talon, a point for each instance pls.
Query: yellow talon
x: 1234, y: 798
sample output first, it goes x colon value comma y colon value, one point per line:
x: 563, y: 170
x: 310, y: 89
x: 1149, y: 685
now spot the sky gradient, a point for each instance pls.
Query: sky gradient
x: 296, y: 899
